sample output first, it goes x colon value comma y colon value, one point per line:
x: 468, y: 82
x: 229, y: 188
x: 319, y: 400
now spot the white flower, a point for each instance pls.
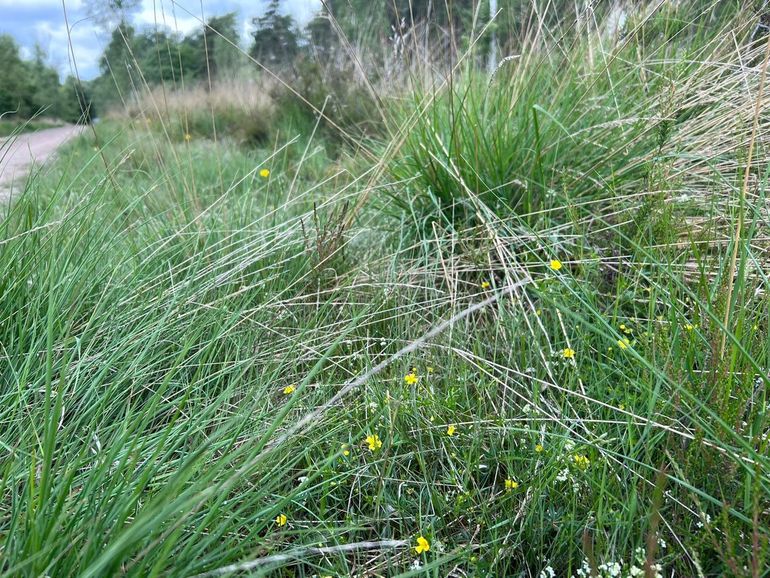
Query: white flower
x: 547, y: 572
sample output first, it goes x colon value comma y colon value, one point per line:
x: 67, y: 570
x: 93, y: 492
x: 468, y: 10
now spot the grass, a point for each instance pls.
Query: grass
x: 10, y: 128
x: 522, y: 297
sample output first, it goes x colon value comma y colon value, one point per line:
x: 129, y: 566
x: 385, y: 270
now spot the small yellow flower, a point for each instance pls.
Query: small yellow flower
x: 187, y: 137
x: 539, y: 448
x: 511, y: 484
x: 450, y: 431
x: 264, y: 173
x: 485, y: 285
x: 410, y: 378
x: 289, y: 389
x: 281, y: 519
x: 555, y: 264
x: 689, y: 326
x: 429, y: 369
x: 568, y: 353
x: 422, y: 545
x: 581, y: 462
x: 374, y: 442
x: 345, y: 450
x: 624, y: 343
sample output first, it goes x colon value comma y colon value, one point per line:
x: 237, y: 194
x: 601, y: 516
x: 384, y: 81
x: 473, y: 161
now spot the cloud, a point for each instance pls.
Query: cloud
x: 42, y: 22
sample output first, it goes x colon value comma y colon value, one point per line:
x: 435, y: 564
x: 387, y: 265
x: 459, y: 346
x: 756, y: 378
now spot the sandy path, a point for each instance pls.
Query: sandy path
x: 19, y: 154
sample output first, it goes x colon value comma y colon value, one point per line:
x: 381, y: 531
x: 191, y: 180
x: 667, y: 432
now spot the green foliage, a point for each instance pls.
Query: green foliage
x: 276, y: 38
x: 32, y: 89
x: 499, y: 331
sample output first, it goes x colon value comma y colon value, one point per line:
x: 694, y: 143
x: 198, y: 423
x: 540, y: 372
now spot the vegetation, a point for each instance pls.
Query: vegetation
x: 443, y: 322
x: 32, y: 89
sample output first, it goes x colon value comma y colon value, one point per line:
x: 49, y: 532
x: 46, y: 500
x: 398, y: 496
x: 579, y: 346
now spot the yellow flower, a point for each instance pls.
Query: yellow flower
x: 450, y: 431
x: 511, y: 484
x: 281, y: 519
x: 264, y: 173
x: 689, y: 326
x: 539, y: 448
x: 582, y: 462
x: 422, y: 545
x: 568, y: 353
x: 187, y: 137
x: 624, y: 343
x: 410, y: 378
x: 345, y: 450
x: 289, y: 389
x: 429, y: 369
x: 555, y: 264
x: 374, y: 442
x: 485, y: 285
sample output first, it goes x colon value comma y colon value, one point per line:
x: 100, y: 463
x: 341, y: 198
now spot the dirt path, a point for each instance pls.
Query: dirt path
x: 19, y: 154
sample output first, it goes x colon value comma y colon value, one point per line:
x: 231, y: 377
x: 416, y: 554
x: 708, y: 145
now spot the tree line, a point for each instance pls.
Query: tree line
x: 135, y: 59
x: 30, y: 87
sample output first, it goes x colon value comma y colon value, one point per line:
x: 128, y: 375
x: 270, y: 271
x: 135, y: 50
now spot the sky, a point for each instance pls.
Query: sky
x: 42, y: 22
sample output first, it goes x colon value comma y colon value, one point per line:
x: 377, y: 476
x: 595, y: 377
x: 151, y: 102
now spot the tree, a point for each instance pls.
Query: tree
x: 15, y: 90
x: 76, y: 102
x: 44, y: 84
x: 116, y: 63
x: 276, y: 41
x: 219, y: 35
x: 111, y: 13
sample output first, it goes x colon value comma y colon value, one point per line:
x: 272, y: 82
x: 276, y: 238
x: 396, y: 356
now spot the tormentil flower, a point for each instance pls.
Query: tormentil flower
x: 689, y: 326
x: 422, y: 545
x: 568, y: 353
x: 450, y: 431
x: 345, y: 450
x: 539, y: 448
x: 625, y: 329
x: 555, y: 264
x: 485, y: 285
x: 281, y: 519
x: 264, y: 173
x: 581, y: 462
x: 410, y: 378
x: 511, y: 484
x: 624, y: 343
x: 289, y: 389
x: 374, y: 442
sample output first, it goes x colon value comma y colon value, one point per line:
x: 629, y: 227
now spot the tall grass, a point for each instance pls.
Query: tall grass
x: 520, y: 292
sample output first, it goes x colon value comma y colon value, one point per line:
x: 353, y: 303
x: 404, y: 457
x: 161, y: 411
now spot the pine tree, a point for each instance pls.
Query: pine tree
x: 276, y: 41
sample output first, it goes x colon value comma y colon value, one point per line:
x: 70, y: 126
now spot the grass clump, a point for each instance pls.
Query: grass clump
x: 491, y: 344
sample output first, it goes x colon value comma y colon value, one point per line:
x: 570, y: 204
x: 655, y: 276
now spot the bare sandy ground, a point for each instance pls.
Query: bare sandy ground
x: 19, y: 154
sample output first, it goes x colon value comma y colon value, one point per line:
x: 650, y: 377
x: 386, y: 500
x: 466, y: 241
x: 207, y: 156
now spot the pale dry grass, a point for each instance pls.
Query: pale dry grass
x: 249, y: 96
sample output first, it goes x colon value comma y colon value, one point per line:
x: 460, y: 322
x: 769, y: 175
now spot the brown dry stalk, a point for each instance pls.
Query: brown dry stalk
x: 742, y: 203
